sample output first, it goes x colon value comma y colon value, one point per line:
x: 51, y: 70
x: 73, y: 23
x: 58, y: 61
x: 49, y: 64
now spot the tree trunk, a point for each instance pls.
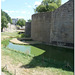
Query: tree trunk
x: 1, y: 29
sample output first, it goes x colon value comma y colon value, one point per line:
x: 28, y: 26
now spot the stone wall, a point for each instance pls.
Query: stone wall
x: 62, y: 25
x: 54, y: 27
x: 40, y: 27
x: 28, y: 29
x: 10, y: 28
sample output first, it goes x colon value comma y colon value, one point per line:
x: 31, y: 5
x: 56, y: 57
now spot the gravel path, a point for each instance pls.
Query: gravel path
x: 2, y: 73
x: 16, y: 41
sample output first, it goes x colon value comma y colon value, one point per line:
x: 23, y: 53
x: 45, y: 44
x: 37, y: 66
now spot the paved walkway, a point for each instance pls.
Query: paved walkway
x: 16, y: 41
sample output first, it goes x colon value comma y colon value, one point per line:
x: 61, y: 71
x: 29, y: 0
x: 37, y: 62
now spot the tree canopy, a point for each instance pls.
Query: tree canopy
x: 6, y: 15
x: 4, y: 22
x: 29, y: 20
x: 21, y: 22
x: 48, y: 5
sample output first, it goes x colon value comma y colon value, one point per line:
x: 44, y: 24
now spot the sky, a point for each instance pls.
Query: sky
x: 21, y: 8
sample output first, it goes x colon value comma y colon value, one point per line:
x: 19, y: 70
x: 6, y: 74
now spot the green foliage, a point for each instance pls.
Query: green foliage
x: 21, y: 35
x: 18, y: 26
x: 58, y: 2
x: 41, y: 8
x: 29, y: 20
x: 21, y: 22
x: 6, y: 15
x: 48, y: 5
x: 4, y: 22
x: 52, y: 6
x: 5, y: 42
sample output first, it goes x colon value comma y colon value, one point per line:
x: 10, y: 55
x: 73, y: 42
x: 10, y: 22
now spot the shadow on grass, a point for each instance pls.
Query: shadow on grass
x: 56, y: 57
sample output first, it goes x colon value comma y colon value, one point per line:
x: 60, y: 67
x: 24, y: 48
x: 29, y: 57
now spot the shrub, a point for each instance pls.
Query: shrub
x: 18, y: 27
x: 21, y: 35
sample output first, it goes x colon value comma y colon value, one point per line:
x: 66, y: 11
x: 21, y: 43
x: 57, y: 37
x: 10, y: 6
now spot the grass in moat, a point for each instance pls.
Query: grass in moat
x: 38, y: 60
x: 6, y: 72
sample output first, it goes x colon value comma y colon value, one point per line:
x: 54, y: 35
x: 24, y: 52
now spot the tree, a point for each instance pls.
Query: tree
x: 4, y: 23
x: 41, y: 8
x: 6, y: 15
x: 52, y: 6
x: 29, y: 20
x: 21, y: 22
x: 48, y: 5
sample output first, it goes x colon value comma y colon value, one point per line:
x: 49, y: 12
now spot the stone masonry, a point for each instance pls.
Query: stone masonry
x: 55, y: 27
x: 62, y: 25
x: 28, y: 29
x: 40, y: 27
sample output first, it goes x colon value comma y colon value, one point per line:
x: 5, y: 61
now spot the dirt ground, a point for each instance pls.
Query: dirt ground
x: 12, y: 68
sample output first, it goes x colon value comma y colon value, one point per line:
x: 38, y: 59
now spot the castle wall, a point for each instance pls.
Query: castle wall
x: 54, y: 27
x: 28, y: 29
x: 62, y: 25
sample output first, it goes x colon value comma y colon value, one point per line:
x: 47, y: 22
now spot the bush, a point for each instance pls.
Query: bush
x: 18, y: 27
x: 21, y: 35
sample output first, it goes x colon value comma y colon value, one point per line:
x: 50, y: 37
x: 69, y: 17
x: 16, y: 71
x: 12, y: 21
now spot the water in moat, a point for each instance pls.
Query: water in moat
x: 21, y: 48
x: 47, y: 51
